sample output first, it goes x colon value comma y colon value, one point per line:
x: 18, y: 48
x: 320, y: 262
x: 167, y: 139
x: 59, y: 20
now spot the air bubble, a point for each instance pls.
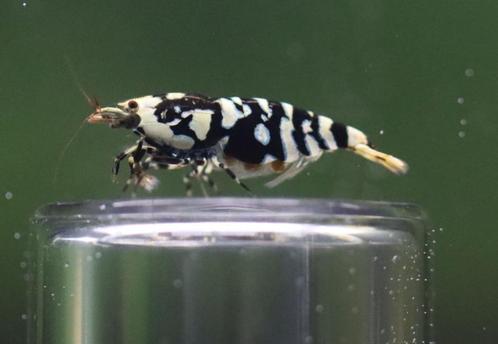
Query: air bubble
x: 319, y: 308
x: 177, y: 283
x: 381, y: 132
x: 98, y: 255
x: 66, y: 265
x: 461, y: 134
x: 17, y: 235
x: 395, y: 259
x: 23, y: 265
x: 352, y: 271
x: 24, y: 316
x: 9, y: 195
x: 463, y: 121
x: 469, y: 72
x: 102, y: 207
x: 460, y: 100
x: 299, y: 282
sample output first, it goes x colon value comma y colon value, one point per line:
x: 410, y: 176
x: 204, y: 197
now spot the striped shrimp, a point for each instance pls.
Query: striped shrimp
x: 245, y: 137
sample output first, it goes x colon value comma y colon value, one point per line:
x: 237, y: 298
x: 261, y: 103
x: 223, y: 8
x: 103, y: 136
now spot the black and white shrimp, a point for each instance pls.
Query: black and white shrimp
x: 245, y: 137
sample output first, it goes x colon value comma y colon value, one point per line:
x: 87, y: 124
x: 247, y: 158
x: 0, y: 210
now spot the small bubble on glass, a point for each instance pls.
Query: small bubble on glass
x: 177, y: 283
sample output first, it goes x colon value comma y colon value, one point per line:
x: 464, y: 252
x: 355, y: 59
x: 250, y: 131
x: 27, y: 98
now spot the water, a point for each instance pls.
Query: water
x: 206, y: 271
x: 395, y: 66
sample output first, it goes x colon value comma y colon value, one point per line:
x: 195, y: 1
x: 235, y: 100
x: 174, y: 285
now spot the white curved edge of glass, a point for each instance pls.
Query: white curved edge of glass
x: 227, y: 221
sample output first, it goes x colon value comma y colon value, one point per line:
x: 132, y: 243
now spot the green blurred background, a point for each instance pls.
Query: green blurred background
x: 421, y: 77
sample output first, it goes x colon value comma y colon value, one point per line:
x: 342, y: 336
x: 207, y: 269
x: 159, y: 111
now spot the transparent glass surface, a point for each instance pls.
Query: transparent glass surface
x: 228, y: 270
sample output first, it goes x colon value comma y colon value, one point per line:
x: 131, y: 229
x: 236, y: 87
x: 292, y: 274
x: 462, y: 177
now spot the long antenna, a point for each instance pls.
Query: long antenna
x: 93, y: 102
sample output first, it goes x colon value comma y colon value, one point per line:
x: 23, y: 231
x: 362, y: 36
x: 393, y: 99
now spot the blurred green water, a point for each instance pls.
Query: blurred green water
x: 393, y: 67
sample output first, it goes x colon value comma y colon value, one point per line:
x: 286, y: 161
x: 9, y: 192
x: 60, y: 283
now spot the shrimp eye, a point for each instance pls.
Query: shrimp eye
x: 132, y: 104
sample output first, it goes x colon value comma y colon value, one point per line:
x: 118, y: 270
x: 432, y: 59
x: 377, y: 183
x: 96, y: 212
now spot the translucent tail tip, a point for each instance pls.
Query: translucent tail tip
x: 390, y: 162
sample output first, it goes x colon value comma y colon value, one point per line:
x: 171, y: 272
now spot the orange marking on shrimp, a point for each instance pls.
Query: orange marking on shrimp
x: 251, y: 167
x: 278, y: 166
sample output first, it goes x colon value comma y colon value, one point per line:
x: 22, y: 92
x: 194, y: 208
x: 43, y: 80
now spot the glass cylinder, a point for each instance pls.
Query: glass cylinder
x: 229, y: 270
